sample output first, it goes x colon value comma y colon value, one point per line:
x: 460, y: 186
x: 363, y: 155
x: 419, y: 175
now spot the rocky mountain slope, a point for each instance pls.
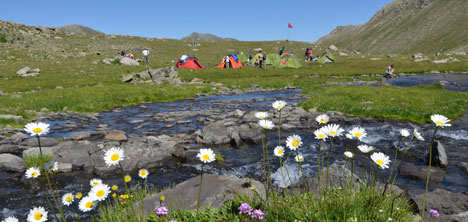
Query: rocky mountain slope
x: 78, y: 29
x: 408, y: 26
x: 200, y: 37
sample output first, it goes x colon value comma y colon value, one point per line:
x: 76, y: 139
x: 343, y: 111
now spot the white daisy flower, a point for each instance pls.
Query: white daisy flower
x: 206, y: 155
x: 86, y: 204
x: 293, y: 142
x: 266, y: 124
x: 333, y: 130
x: 404, y: 132
x: 52, y: 166
x: 349, y: 136
x: 67, y: 199
x: 299, y: 158
x: 38, y: 129
x: 33, y: 172
x: 365, y: 148
x: 358, y: 132
x: 113, y: 156
x: 11, y: 219
x: 381, y: 159
x: 440, y: 120
x: 417, y: 135
x: 322, y: 119
x: 320, y: 134
x: 143, y: 173
x: 37, y: 214
x: 348, y: 154
x: 279, y: 151
x: 94, y: 182
x: 99, y: 192
x: 278, y: 105
x: 261, y: 115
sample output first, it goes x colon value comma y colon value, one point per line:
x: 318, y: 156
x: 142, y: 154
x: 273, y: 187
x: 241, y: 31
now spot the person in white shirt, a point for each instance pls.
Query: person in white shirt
x: 145, y: 53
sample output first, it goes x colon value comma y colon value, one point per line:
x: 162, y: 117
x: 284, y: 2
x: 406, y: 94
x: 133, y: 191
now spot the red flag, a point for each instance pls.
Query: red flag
x: 289, y: 25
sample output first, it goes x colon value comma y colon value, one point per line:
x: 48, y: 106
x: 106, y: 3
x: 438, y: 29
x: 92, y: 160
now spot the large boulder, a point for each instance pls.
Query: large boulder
x: 45, y: 142
x: 23, y: 71
x: 439, y: 157
x: 338, y: 176
x: 419, y: 172
x: 214, y: 134
x: 333, y: 48
x: 128, y: 61
x: 449, y: 204
x: 216, y: 189
x: 115, y: 135
x: 10, y: 162
x: 168, y: 74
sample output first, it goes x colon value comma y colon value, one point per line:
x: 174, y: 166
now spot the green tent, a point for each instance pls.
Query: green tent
x: 287, y: 60
x: 271, y: 59
x: 326, y: 58
x: 242, y: 57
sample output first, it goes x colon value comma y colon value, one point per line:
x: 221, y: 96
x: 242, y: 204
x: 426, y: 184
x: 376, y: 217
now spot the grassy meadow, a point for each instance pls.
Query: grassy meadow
x: 73, y: 76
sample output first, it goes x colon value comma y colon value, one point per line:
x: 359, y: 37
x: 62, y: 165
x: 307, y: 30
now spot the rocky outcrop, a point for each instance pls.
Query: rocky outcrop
x: 128, y: 61
x: 154, y: 76
x: 26, y: 72
x: 10, y: 162
x: 216, y: 189
x: 450, y: 205
x: 10, y: 117
x: 419, y: 172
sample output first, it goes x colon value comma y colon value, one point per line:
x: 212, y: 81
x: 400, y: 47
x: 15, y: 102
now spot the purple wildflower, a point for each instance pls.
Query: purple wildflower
x: 434, y: 213
x: 258, y: 214
x: 245, y: 208
x: 161, y: 211
x: 173, y: 221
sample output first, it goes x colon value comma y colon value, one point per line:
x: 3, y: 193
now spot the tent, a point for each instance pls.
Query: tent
x: 242, y: 57
x: 326, y: 58
x: 287, y: 60
x: 188, y: 62
x: 272, y: 58
x: 234, y: 62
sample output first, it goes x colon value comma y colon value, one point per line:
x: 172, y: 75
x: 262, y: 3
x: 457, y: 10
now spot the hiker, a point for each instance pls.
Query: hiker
x: 122, y: 53
x: 145, y: 53
x: 227, y: 63
x: 250, y: 56
x: 310, y: 57
x: 130, y: 55
x: 264, y: 59
x: 259, y: 59
x: 389, y: 72
x: 281, y: 51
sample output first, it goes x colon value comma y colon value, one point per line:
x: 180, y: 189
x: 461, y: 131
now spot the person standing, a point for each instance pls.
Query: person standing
x: 145, y: 53
x: 281, y: 51
x: 260, y: 59
x: 250, y: 56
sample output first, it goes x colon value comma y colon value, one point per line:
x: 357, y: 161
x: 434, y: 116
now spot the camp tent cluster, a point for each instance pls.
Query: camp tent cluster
x: 238, y: 60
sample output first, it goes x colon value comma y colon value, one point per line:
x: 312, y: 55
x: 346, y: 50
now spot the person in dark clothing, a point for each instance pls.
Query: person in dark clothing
x: 281, y: 51
x: 250, y: 56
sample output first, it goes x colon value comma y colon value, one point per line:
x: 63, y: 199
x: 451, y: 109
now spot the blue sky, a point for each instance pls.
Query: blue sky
x: 243, y: 20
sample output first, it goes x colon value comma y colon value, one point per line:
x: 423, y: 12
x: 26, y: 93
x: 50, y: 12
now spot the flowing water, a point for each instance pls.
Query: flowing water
x: 18, y: 195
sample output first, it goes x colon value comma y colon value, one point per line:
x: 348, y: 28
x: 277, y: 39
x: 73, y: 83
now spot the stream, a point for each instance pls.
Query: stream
x: 246, y: 162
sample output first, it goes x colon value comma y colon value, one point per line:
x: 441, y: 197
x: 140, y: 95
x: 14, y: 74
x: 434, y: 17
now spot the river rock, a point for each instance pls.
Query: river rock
x: 115, y: 135
x: 464, y: 167
x: 168, y: 74
x: 23, y: 71
x: 17, y: 138
x: 45, y: 142
x: 420, y: 172
x: 78, y: 136
x: 77, y: 154
x: 439, y: 157
x: 338, y: 176
x: 11, y: 117
x: 9, y: 148
x: 128, y: 61
x: 10, y: 162
x: 448, y: 204
x: 214, y: 134
x: 216, y: 190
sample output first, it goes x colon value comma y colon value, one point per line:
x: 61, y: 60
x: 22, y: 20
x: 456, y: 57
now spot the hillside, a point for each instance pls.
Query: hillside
x: 408, y: 26
x: 200, y: 37
x: 78, y: 29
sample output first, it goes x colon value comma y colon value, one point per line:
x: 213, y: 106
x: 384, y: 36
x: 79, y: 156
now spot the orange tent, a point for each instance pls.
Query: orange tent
x: 233, y: 62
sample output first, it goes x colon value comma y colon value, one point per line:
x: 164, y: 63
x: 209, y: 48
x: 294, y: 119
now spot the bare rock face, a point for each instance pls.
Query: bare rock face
x: 216, y: 189
x: 116, y: 135
x: 10, y: 162
x: 128, y: 61
x: 420, y: 172
x: 450, y: 205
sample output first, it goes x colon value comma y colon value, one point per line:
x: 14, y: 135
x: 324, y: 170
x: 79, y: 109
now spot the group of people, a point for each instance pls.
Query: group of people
x: 145, y: 53
x: 259, y: 59
x: 308, y: 55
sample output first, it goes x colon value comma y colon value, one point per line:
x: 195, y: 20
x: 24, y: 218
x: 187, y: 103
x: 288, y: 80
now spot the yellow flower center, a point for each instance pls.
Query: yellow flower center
x: 37, y: 130
x: 128, y: 178
x: 115, y: 187
x: 280, y: 151
x: 333, y: 132
x: 357, y: 135
x: 323, y: 121
x: 321, y: 136
x: 96, y: 183
x: 89, y: 204
x: 114, y: 195
x: 439, y: 123
x: 115, y: 157
x: 299, y: 159
x: 100, y: 193
x: 52, y: 167
x: 143, y: 173
x: 38, y: 216
x: 206, y: 156
x: 79, y: 195
x: 279, y: 106
x: 34, y: 173
x: 162, y: 198
x: 295, y: 143
x: 68, y: 199
x: 379, y: 162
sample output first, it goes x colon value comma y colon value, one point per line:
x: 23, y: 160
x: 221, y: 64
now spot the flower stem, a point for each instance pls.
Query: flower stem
x: 201, y: 183
x: 48, y: 180
x: 265, y: 182
x: 428, y: 174
x: 268, y: 160
x: 319, y: 168
x: 302, y: 172
x: 282, y: 175
x: 394, y: 161
x: 279, y: 129
x: 328, y: 158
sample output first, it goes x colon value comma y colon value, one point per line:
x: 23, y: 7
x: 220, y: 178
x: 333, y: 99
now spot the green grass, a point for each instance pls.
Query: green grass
x: 34, y: 160
x: 416, y: 103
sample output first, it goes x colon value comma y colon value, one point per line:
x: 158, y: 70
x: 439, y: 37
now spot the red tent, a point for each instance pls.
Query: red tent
x: 188, y: 62
x: 233, y: 60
